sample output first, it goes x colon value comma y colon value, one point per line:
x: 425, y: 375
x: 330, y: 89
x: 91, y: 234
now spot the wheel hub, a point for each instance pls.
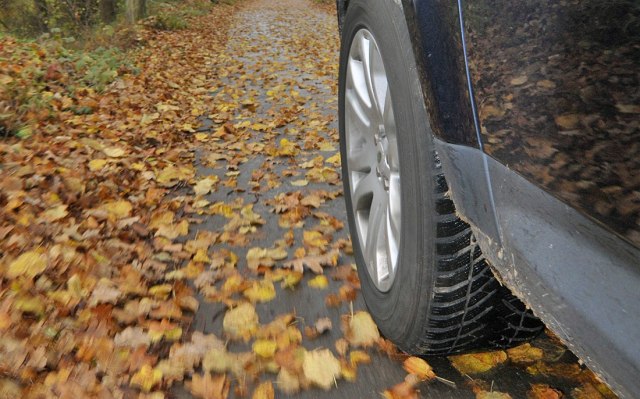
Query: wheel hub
x: 372, y: 159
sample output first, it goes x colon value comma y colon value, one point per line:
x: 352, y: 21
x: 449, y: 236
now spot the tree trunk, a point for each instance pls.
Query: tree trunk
x: 107, y: 11
x: 42, y: 10
x: 135, y: 10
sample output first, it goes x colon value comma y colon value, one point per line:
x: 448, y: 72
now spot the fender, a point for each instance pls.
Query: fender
x: 437, y: 43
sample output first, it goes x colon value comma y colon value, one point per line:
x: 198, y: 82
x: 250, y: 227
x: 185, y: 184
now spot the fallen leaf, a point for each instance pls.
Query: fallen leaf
x: 287, y: 382
x: 241, y: 321
x: 475, y: 363
x: 264, y: 257
x: 360, y: 329
x: 113, y: 152
x: 146, y: 378
x: 132, y: 337
x: 321, y: 368
x: 481, y: 394
x: 118, y: 209
x: 260, y: 291
x: 525, y: 353
x: 320, y: 282
x: 97, y: 164
x: 314, y: 263
x: 264, y: 391
x: 543, y: 391
x: 29, y: 264
x: 418, y: 367
x: 404, y: 390
x: 208, y: 387
x: 265, y: 348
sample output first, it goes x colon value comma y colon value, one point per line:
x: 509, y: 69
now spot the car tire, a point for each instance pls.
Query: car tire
x: 432, y: 292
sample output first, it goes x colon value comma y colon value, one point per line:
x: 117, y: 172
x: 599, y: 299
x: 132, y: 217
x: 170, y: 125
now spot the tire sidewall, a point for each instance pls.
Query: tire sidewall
x: 401, y: 311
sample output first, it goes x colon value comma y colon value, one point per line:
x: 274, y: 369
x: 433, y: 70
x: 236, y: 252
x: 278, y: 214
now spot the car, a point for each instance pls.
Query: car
x: 490, y: 157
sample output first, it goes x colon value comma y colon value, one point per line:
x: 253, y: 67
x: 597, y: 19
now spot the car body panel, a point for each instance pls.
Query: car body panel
x: 557, y: 88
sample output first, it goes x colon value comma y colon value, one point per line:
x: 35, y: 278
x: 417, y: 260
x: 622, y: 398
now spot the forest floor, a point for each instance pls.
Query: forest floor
x: 182, y: 232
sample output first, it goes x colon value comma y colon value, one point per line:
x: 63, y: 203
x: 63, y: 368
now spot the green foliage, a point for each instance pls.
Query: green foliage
x: 45, y: 73
x: 169, y: 21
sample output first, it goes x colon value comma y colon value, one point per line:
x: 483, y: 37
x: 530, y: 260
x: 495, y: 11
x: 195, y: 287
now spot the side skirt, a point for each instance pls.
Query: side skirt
x: 582, y: 280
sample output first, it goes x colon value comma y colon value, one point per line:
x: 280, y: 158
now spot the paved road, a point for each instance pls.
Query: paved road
x: 281, y: 64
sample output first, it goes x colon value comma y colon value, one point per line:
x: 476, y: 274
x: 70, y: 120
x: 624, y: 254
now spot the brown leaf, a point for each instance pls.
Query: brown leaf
x: 418, y: 367
x: 543, y: 391
x: 314, y: 263
x: 264, y: 391
x: 208, y: 387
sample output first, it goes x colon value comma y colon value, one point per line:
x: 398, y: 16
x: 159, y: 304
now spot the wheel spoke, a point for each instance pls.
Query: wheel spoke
x: 375, y: 242
x: 394, y: 205
x: 365, y: 189
x: 362, y: 158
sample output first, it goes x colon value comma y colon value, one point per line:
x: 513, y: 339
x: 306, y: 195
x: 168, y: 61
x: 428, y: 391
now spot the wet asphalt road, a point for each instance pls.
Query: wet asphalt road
x: 281, y: 61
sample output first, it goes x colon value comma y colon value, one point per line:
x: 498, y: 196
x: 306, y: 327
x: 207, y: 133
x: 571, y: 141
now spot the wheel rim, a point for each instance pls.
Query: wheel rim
x: 372, y: 159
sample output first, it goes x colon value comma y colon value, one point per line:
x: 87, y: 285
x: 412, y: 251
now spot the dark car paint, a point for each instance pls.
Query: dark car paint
x: 558, y: 94
x: 565, y: 238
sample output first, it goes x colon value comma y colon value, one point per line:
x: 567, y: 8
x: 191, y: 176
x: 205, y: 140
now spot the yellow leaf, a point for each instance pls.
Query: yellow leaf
x: 55, y: 213
x: 113, y: 152
x: 418, y: 367
x: 146, y: 378
x: 334, y: 160
x: 97, y: 164
x: 241, y: 321
x: 360, y: 329
x: 287, y: 382
x: 474, y: 363
x: 170, y: 175
x: 264, y: 391
x: 320, y: 282
x: 300, y: 183
x: 30, y: 305
x: 326, y: 146
x: 29, y: 264
x: 118, y: 209
x: 172, y: 231
x: 201, y: 256
x: 291, y: 279
x: 260, y: 291
x: 314, y: 239
x: 264, y: 257
x: 321, y: 368
x: 265, y: 348
x: 357, y: 357
x: 287, y: 148
x: 204, y: 186
x: 161, y: 291
x: 525, y: 353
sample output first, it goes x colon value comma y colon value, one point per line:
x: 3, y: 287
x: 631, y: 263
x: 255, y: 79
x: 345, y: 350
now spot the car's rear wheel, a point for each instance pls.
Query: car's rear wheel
x: 424, y: 278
